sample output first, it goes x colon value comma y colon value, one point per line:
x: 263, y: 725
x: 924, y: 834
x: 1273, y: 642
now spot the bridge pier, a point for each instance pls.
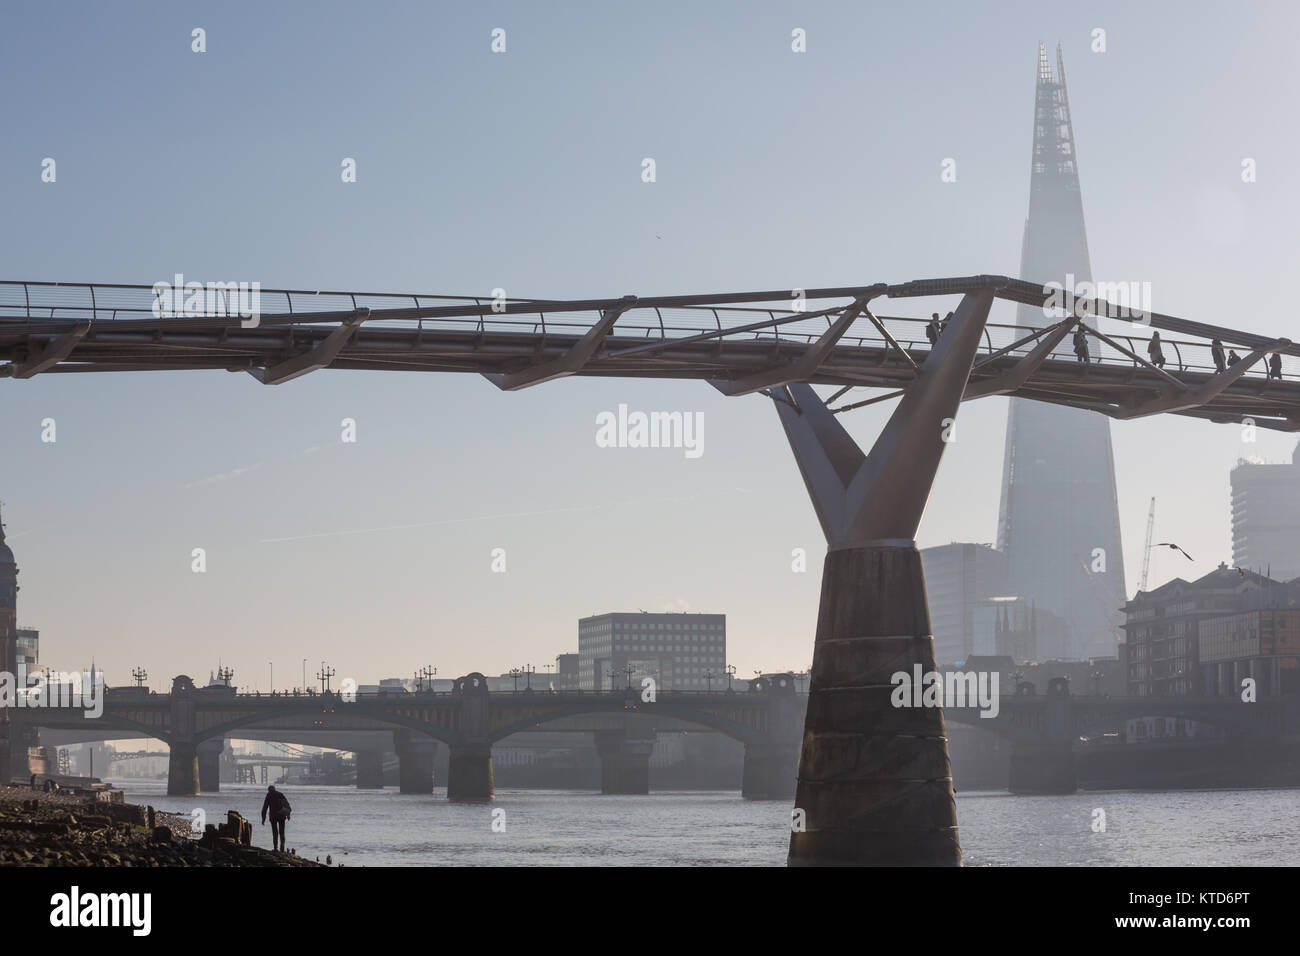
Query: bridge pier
x: 625, y: 759
x: 1049, y: 768
x: 771, y: 766
x: 209, y: 757
x: 6, y: 766
x: 183, y: 761
x: 875, y: 783
x: 15, y: 750
x: 770, y: 772
x: 469, y: 773
x: 1043, y: 770
x: 469, y: 765
x: 370, y: 770
x: 414, y: 762
x: 183, y: 769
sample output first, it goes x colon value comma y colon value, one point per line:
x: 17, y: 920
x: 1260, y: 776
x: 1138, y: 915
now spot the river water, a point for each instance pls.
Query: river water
x: 693, y: 828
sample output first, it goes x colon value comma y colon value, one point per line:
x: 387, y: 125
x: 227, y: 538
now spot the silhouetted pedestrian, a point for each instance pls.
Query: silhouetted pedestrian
x: 1081, y: 346
x: 1233, y: 357
x: 1216, y: 352
x: 1153, y: 350
x: 1275, y: 366
x: 278, y: 805
x: 932, y: 329
x: 943, y: 326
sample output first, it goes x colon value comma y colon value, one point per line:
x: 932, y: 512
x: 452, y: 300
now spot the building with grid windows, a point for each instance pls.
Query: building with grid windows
x: 1266, y: 517
x: 1165, y: 627
x: 681, y: 651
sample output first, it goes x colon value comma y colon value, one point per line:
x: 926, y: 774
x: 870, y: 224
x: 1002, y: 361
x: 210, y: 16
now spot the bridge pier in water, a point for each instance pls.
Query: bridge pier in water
x: 370, y: 770
x: 209, y: 757
x: 469, y: 764
x: 15, y: 739
x: 414, y: 762
x: 469, y: 773
x: 875, y: 783
x: 1049, y: 768
x: 7, y: 769
x: 183, y: 761
x: 625, y: 758
x: 183, y: 769
x: 771, y: 766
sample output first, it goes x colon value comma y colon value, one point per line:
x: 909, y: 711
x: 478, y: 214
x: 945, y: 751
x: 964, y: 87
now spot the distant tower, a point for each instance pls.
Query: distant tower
x: 1059, y: 516
x: 8, y: 605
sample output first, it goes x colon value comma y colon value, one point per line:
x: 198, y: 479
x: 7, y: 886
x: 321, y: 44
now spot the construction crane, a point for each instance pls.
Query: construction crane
x: 1146, y: 554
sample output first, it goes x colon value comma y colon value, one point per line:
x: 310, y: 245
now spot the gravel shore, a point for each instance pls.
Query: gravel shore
x: 51, y: 829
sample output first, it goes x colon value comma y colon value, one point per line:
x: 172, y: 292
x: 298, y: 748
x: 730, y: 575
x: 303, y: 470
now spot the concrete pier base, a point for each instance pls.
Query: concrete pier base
x: 209, y: 757
x: 469, y: 773
x: 875, y: 785
x: 415, y: 762
x: 183, y: 770
x: 370, y: 770
x: 770, y: 773
x: 1043, y: 770
x: 625, y: 760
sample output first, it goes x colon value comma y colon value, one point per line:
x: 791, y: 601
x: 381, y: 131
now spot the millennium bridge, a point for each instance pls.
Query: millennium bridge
x: 874, y: 781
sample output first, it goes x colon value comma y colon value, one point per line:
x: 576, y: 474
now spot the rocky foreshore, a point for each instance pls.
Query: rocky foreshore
x: 50, y: 829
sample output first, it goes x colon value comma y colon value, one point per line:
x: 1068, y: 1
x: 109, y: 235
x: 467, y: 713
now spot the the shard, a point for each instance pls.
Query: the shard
x: 1059, y: 519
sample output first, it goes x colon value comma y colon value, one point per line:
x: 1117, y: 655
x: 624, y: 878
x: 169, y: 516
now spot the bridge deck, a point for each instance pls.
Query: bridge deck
x: 746, y: 341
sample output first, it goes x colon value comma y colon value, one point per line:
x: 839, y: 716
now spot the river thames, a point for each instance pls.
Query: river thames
x: 703, y: 828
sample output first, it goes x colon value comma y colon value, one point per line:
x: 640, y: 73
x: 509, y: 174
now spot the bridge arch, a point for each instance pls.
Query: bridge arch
x: 395, y: 721
x: 661, y: 708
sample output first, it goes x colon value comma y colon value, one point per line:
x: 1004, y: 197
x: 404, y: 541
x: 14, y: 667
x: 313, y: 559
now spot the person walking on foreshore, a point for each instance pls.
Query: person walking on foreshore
x: 278, y: 805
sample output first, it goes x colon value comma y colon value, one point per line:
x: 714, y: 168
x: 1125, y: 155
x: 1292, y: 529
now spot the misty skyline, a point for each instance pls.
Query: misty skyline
x: 522, y: 171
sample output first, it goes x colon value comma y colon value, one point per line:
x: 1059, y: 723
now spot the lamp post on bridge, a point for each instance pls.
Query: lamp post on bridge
x: 140, y: 674
x: 514, y: 675
x: 426, y: 673
x: 730, y: 670
x: 324, y: 676
x: 224, y: 674
x: 708, y: 680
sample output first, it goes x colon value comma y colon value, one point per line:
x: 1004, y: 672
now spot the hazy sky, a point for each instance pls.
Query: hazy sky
x: 522, y: 170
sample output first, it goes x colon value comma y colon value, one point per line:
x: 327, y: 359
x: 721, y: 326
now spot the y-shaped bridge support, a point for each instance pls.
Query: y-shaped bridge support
x: 875, y: 785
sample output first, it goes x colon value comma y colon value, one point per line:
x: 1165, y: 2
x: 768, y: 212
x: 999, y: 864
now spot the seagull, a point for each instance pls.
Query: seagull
x: 1170, y: 544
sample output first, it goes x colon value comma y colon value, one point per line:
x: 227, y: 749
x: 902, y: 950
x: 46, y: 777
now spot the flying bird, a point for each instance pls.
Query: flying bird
x: 1170, y: 544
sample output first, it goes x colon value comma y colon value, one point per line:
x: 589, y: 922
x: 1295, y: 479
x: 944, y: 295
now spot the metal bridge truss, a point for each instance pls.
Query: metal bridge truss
x: 741, y: 343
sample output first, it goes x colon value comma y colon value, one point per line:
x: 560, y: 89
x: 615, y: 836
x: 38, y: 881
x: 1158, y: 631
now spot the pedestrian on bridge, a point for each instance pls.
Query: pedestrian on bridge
x: 1233, y: 357
x: 1081, y: 346
x: 1275, y: 366
x: 1216, y: 352
x: 932, y: 329
x: 1153, y: 349
x: 278, y: 805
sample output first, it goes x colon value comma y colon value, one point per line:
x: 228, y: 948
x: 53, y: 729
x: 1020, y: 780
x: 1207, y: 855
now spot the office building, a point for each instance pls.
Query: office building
x: 680, y: 651
x: 1266, y: 517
